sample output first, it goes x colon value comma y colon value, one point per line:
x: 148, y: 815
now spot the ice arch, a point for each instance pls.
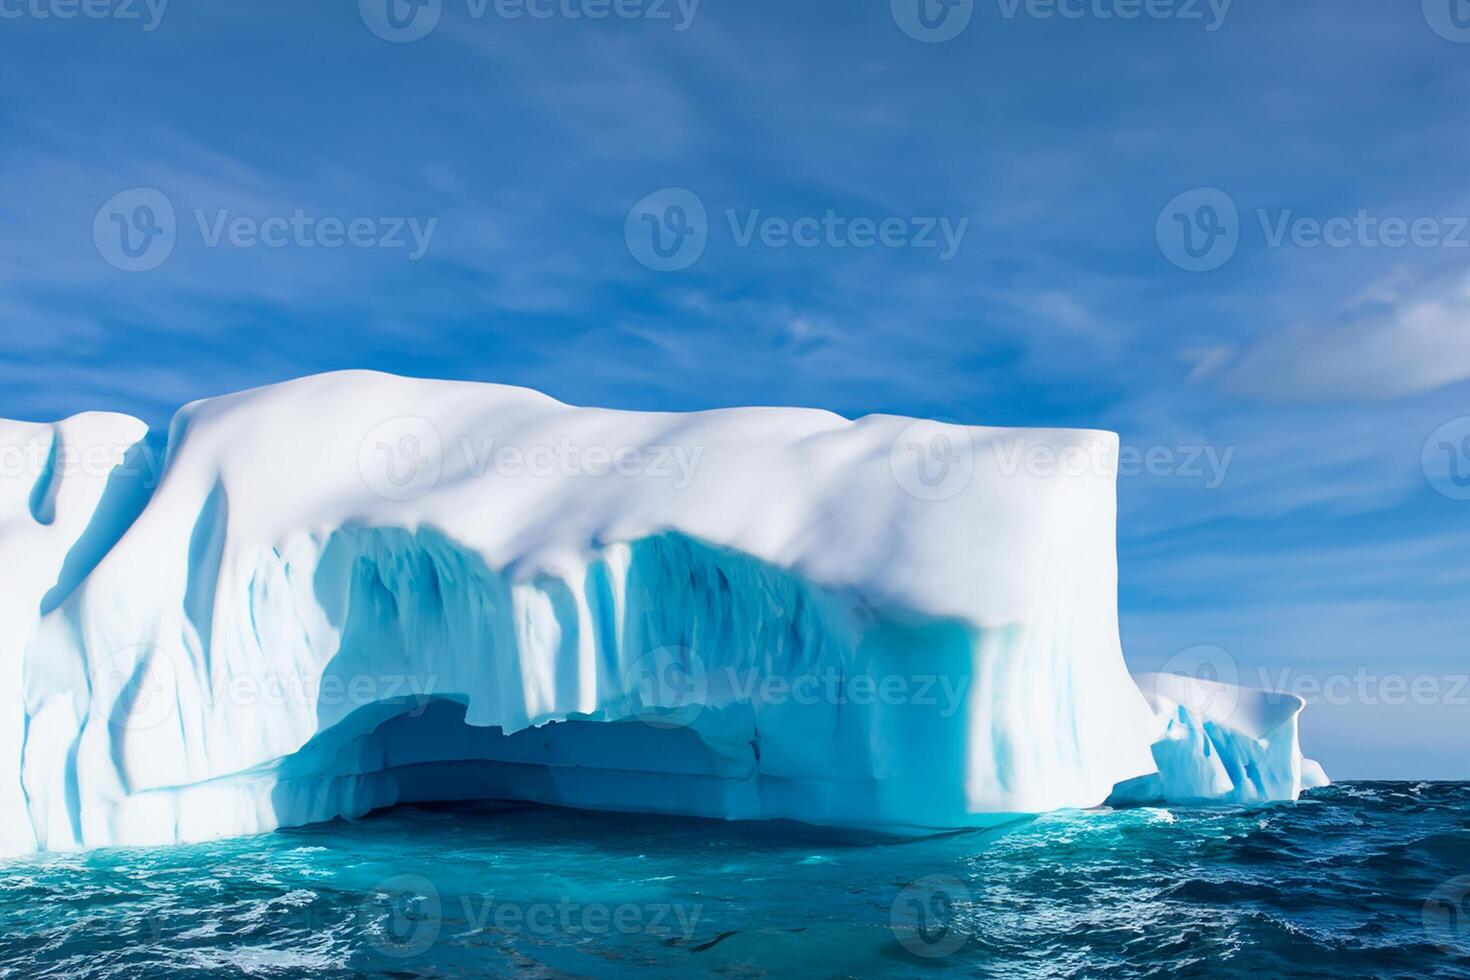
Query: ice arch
x: 435, y: 658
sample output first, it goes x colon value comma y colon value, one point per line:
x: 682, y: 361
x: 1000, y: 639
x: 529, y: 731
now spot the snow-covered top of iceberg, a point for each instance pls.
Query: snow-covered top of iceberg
x: 934, y: 518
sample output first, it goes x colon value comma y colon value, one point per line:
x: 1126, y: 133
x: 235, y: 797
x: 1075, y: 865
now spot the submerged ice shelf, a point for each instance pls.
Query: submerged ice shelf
x: 330, y: 595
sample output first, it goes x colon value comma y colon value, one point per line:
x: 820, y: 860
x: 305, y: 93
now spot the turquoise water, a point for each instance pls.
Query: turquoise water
x: 1354, y: 880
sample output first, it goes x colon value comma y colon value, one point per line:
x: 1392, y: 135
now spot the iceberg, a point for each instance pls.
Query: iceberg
x: 323, y: 597
x: 1220, y: 743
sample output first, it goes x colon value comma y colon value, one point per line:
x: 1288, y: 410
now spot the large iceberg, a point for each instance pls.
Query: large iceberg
x: 331, y: 595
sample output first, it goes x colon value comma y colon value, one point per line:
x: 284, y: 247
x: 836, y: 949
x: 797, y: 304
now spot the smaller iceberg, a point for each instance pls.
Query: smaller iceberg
x: 1219, y: 743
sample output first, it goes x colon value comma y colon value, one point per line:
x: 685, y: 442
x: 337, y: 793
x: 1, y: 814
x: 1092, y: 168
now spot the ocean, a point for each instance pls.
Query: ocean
x: 1354, y: 880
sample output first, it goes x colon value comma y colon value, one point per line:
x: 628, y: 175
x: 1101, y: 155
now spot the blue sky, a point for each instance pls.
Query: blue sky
x: 1072, y: 149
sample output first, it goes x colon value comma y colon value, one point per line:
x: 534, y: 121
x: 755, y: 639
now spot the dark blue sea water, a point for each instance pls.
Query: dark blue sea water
x: 1364, y: 879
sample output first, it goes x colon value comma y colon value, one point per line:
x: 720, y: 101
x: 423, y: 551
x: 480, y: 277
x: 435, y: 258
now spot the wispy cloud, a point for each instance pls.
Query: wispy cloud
x: 1396, y: 340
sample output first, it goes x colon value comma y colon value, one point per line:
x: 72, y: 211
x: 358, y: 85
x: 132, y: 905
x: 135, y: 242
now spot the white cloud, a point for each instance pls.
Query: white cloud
x: 1389, y: 343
